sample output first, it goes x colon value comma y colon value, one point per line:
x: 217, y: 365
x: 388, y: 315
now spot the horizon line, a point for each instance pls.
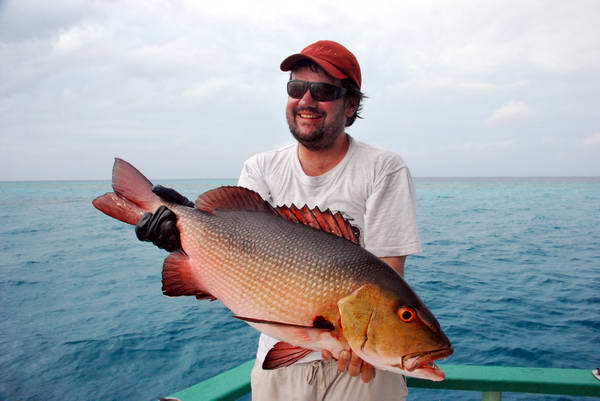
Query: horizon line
x: 216, y: 179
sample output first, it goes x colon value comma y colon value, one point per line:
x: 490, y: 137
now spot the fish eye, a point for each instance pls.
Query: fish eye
x: 406, y: 314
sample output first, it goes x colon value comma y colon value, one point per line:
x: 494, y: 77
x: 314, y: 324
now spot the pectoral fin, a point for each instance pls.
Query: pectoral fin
x: 320, y: 323
x: 284, y: 354
x: 297, y: 340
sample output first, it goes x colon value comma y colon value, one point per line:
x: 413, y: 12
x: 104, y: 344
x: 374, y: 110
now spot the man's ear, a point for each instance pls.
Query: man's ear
x: 350, y: 109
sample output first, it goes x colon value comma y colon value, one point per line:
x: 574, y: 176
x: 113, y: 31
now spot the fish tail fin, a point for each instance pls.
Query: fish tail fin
x: 129, y: 183
x: 118, y: 207
x: 133, y: 194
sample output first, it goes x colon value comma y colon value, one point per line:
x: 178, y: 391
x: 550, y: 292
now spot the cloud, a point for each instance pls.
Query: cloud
x: 76, y: 37
x: 80, y: 75
x: 470, y: 147
x: 512, y: 110
x: 207, y: 88
x: 592, y: 141
x: 458, y: 84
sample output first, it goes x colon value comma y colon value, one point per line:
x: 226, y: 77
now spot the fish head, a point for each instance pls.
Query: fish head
x: 392, y: 334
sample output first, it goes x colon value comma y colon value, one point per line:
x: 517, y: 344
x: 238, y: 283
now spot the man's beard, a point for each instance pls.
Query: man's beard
x: 322, y: 138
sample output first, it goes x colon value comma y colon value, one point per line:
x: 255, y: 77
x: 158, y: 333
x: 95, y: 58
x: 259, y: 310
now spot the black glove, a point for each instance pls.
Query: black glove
x: 170, y: 195
x: 160, y: 228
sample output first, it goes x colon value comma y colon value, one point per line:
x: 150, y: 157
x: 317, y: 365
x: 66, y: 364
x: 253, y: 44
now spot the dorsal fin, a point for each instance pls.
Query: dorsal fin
x: 233, y: 198
x: 240, y: 198
x: 321, y: 220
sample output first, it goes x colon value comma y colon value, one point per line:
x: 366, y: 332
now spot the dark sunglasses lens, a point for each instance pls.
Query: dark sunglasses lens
x: 296, y: 89
x: 323, y: 92
x: 320, y: 91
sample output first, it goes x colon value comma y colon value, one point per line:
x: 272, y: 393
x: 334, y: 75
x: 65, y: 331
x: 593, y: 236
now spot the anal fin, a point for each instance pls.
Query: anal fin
x: 284, y: 354
x: 178, y: 278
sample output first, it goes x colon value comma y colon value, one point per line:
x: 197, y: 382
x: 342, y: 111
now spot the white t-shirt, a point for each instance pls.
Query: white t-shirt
x: 371, y: 187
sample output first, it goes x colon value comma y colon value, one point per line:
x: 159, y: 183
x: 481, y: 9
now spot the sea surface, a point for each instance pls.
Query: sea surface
x: 511, y: 268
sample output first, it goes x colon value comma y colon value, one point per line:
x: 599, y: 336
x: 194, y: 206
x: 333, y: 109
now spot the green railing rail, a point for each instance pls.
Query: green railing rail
x: 491, y: 381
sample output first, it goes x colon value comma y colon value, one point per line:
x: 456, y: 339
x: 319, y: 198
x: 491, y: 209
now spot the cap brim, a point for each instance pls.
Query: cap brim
x: 289, y: 63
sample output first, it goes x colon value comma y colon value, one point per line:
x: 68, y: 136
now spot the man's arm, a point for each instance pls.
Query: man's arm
x: 396, y: 263
x: 383, y: 216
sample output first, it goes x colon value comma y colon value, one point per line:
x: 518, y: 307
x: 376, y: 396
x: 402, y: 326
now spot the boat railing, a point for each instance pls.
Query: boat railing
x: 491, y: 381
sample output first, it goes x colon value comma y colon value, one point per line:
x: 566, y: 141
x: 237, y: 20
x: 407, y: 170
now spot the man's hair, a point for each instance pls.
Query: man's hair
x: 353, y: 96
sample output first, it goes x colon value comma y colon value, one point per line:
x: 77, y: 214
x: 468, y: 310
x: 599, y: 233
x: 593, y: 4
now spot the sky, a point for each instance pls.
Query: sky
x: 191, y: 89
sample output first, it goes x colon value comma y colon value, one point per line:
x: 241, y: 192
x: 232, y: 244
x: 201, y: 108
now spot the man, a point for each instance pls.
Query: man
x: 326, y: 168
x: 329, y: 169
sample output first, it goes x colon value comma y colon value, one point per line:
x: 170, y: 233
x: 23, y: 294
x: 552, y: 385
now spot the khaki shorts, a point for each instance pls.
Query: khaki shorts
x: 320, y: 381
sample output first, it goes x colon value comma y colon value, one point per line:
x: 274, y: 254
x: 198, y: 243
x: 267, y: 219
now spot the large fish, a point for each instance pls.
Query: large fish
x: 297, y: 275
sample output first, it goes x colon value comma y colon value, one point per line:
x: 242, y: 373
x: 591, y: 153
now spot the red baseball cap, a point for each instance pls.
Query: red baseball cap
x: 334, y: 58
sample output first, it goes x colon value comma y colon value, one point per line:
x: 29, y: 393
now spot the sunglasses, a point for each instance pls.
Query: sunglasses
x: 320, y: 91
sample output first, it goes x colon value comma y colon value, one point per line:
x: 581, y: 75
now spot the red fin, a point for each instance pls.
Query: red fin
x: 118, y: 207
x: 233, y: 198
x: 324, y: 221
x: 252, y: 320
x: 239, y: 198
x: 283, y: 354
x: 130, y: 184
x: 178, y: 278
x: 295, y: 333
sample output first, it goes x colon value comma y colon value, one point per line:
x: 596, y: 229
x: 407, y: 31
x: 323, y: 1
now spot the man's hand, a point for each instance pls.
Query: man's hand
x: 160, y: 228
x: 170, y: 195
x: 351, y: 363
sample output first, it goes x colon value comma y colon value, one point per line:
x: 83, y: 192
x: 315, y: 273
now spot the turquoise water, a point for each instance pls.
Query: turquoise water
x: 511, y: 268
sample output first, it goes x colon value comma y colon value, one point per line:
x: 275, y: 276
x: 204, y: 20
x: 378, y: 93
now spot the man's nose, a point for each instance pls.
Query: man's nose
x: 307, y: 100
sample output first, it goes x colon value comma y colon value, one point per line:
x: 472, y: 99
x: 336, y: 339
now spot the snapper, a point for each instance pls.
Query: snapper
x: 296, y: 274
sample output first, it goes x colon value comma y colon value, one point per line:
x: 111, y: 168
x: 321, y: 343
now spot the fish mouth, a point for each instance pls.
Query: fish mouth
x: 424, y: 362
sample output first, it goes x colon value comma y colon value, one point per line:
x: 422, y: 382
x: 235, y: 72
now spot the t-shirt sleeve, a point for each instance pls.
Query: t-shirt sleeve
x: 390, y: 217
x: 252, y: 178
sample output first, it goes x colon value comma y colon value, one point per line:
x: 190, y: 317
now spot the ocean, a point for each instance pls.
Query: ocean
x: 511, y: 268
